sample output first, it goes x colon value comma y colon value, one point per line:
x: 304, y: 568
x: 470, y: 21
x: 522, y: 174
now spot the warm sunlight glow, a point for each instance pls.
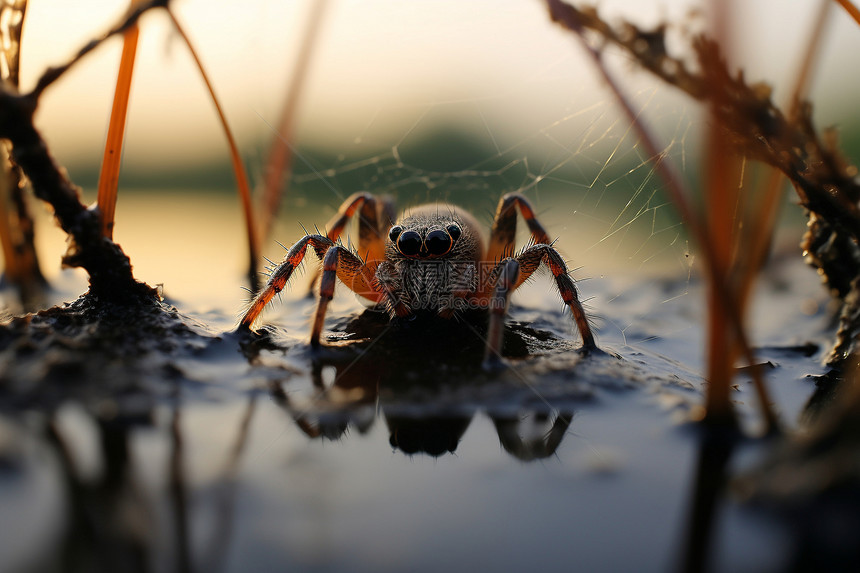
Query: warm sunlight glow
x: 379, y: 66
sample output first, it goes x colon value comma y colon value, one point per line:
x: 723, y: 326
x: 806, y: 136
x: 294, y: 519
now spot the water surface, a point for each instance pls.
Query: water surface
x: 385, y: 453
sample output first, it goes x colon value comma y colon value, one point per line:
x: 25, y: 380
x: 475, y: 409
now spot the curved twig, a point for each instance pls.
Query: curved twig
x: 236, y: 159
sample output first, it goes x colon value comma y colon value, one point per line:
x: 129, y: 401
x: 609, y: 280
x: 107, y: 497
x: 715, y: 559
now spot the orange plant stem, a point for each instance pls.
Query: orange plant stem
x: 676, y: 192
x: 235, y: 158
x: 279, y: 161
x: 771, y: 192
x: 722, y: 219
x: 852, y: 10
x: 10, y: 257
x: 109, y: 176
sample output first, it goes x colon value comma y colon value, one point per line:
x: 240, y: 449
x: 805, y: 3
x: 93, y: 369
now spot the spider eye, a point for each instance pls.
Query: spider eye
x: 409, y: 243
x: 395, y: 232
x: 454, y: 231
x: 438, y: 242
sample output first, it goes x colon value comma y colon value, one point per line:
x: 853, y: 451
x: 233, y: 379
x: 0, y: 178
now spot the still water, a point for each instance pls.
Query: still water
x: 386, y: 453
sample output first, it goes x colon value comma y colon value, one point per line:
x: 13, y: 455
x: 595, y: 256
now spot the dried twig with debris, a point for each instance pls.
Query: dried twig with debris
x: 108, y: 267
x: 825, y: 181
x: 17, y: 231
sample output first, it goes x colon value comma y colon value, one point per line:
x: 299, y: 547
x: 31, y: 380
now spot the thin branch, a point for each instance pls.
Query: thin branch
x: 17, y: 230
x: 760, y: 129
x: 576, y: 21
x: 52, y: 74
x: 762, y: 232
x: 279, y: 160
x: 852, y: 10
x: 108, y: 267
x: 12, y: 15
x: 238, y: 165
x: 109, y: 177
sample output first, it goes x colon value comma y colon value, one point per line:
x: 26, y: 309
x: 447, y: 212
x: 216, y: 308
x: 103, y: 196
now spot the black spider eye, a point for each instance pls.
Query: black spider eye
x: 395, y: 232
x: 438, y: 242
x: 409, y: 243
x: 454, y: 231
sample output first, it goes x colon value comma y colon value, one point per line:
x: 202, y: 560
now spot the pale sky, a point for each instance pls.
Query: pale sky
x: 381, y: 68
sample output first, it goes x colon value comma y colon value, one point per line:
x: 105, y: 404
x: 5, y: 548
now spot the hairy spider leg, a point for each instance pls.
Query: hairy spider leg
x: 513, y: 272
x: 504, y: 229
x: 507, y: 272
x: 354, y: 277
x: 386, y: 283
x: 341, y: 263
x: 375, y: 216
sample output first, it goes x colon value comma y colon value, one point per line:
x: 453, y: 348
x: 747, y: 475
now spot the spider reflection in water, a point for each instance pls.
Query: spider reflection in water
x: 422, y: 428
x: 431, y: 261
x: 428, y: 404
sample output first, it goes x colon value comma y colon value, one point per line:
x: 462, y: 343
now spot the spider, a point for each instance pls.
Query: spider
x: 433, y: 260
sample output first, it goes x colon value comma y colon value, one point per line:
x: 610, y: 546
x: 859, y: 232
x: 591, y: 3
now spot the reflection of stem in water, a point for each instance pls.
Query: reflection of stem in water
x: 714, y: 454
x: 178, y: 491
x: 80, y: 533
x: 107, y: 525
x: 217, y: 554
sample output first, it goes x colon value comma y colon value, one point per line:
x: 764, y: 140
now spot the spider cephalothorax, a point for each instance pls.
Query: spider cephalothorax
x: 431, y: 260
x: 431, y: 256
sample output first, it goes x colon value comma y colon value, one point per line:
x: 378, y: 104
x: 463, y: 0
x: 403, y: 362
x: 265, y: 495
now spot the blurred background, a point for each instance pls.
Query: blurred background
x: 445, y: 100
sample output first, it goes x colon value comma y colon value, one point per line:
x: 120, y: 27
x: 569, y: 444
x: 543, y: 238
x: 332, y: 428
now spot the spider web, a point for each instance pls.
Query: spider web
x: 574, y: 157
x: 594, y: 168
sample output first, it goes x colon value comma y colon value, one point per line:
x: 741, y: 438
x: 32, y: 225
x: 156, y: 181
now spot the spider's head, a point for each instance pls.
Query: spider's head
x: 433, y: 243
x: 435, y: 234
x: 433, y: 252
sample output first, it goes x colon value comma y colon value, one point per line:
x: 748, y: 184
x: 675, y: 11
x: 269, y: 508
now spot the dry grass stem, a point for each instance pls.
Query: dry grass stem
x: 236, y: 160
x: 279, y: 161
x: 12, y: 16
x: 852, y: 10
x: 107, y: 265
x: 130, y: 19
x: 726, y: 312
x: 758, y: 128
x: 760, y: 234
x: 17, y: 235
x: 755, y: 128
x: 17, y: 232
x: 109, y: 176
